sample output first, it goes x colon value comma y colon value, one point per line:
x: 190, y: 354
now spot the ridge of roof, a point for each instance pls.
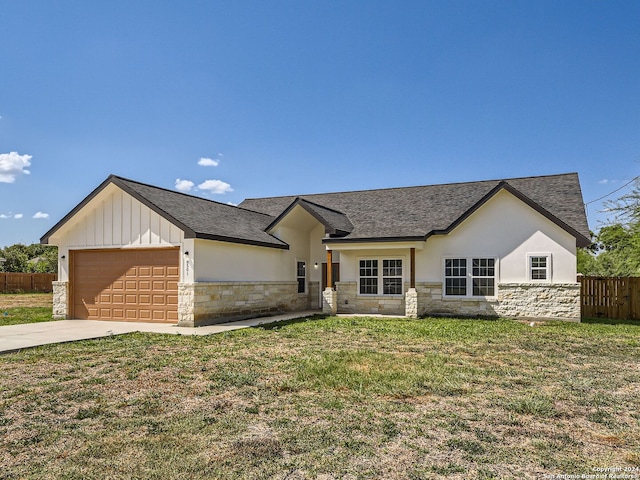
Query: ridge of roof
x: 446, y: 184
x: 390, y: 212
x: 320, y: 206
x: 320, y: 213
x: 175, y: 192
x: 189, y: 213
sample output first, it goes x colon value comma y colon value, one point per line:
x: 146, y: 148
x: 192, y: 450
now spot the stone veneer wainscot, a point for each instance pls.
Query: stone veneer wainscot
x: 205, y: 303
x: 515, y: 300
x: 350, y: 302
x: 60, y: 300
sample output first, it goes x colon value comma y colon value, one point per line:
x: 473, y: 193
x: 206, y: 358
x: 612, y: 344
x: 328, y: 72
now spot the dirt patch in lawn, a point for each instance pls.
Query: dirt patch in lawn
x: 10, y: 300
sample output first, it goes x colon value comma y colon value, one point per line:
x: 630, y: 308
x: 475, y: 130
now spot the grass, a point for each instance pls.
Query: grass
x: 327, y: 398
x: 18, y: 315
x: 25, y: 308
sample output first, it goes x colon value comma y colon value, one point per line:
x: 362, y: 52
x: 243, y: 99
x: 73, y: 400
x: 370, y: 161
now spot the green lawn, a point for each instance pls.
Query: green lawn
x: 327, y: 398
x: 16, y: 308
x: 17, y: 315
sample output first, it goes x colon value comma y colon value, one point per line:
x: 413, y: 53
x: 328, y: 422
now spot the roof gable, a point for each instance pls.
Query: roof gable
x: 196, y: 217
x: 415, y: 213
x: 335, y: 223
x: 395, y: 214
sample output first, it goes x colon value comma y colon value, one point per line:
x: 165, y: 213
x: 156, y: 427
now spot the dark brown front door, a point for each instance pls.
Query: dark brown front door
x: 335, y: 274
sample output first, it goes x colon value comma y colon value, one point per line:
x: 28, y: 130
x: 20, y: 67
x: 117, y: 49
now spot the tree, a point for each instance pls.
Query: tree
x: 616, y: 248
x: 35, y: 258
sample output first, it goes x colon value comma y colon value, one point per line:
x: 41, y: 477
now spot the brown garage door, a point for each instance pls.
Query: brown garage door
x: 127, y: 285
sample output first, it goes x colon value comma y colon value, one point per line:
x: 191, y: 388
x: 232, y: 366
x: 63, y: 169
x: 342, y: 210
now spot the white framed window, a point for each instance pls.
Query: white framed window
x: 392, y: 276
x: 301, y: 275
x: 455, y: 277
x: 380, y: 276
x: 470, y: 277
x: 539, y: 267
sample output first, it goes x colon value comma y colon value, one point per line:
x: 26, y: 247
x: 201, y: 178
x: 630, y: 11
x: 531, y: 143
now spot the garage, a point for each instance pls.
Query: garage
x: 134, y: 285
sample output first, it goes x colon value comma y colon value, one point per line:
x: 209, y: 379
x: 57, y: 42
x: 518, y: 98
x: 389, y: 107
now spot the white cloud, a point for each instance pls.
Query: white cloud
x: 184, y: 185
x: 215, y: 186
x: 41, y: 215
x: 4, y: 215
x: 208, y: 162
x: 18, y: 215
x: 12, y: 165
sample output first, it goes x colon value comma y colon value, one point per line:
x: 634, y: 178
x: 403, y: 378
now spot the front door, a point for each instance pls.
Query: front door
x: 335, y: 275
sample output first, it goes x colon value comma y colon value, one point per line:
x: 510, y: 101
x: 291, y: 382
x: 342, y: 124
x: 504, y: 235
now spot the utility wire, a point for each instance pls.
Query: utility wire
x: 611, y: 193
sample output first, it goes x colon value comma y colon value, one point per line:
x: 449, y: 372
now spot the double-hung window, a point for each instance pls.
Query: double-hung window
x: 455, y: 276
x: 392, y: 277
x: 301, y: 275
x: 470, y: 277
x: 539, y: 267
x: 380, y: 276
x: 483, y: 275
x: 368, y: 277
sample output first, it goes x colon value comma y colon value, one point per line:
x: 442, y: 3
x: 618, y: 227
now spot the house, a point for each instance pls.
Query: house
x: 135, y: 252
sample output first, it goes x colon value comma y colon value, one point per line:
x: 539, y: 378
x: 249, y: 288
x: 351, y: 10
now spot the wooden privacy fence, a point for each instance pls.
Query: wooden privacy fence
x: 26, y: 282
x: 610, y: 297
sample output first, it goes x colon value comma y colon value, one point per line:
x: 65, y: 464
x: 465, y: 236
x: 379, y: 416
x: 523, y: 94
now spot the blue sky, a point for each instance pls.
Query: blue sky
x: 291, y: 97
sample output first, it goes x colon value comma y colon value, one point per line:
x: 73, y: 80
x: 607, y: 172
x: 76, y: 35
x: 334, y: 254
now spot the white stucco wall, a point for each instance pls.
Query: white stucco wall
x: 304, y: 234
x: 504, y: 228
x: 113, y: 219
x: 228, y: 262
x: 508, y: 229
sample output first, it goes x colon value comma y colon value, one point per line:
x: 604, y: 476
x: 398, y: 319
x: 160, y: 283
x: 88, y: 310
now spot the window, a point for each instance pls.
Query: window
x: 392, y: 277
x: 368, y: 277
x: 484, y: 277
x: 301, y: 274
x: 477, y: 281
x: 539, y: 267
x: 374, y: 280
x: 455, y: 276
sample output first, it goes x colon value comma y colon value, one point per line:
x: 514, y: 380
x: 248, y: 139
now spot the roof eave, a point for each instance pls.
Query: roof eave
x: 242, y: 241
x: 412, y: 238
x: 302, y: 203
x: 113, y: 179
x: 581, y: 240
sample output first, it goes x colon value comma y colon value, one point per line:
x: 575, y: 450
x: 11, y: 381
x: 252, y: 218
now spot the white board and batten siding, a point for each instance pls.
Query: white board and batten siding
x: 115, y: 219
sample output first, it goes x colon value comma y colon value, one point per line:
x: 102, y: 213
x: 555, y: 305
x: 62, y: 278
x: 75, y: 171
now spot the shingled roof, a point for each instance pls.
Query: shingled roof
x: 197, y: 217
x: 393, y: 214
x: 414, y: 213
x: 335, y: 223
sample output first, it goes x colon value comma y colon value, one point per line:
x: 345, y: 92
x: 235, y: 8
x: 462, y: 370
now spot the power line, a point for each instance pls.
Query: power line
x: 611, y: 193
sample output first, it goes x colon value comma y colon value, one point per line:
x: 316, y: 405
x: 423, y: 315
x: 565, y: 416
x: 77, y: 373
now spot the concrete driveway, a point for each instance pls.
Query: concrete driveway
x: 17, y: 337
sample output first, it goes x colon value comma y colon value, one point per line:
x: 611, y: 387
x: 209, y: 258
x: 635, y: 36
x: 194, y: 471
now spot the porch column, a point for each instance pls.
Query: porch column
x: 412, y: 267
x: 329, y: 296
x: 411, y: 296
